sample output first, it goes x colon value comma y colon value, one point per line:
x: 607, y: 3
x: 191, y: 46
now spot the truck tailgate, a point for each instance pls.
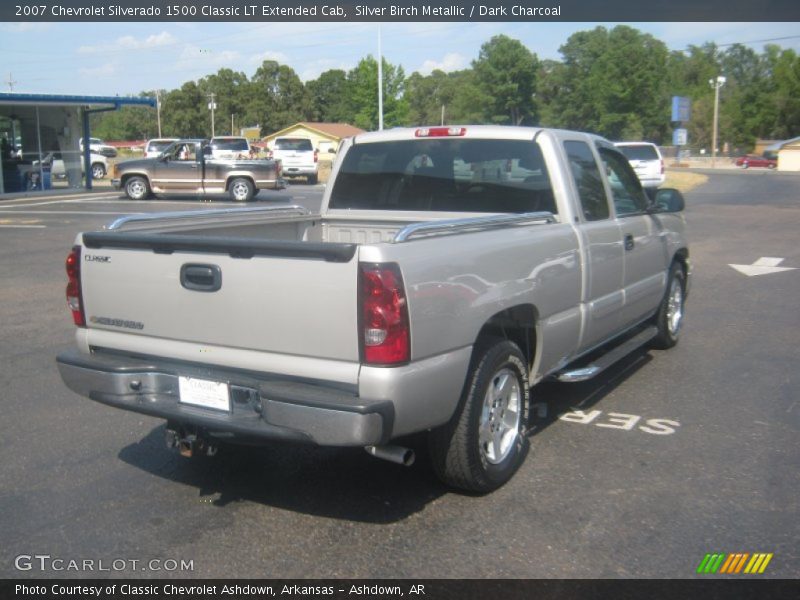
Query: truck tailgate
x: 288, y: 298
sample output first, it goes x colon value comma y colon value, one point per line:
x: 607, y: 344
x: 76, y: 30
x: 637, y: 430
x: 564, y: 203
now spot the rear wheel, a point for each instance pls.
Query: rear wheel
x: 669, y: 318
x: 241, y: 189
x: 98, y: 171
x: 137, y: 188
x: 484, y: 443
x: 312, y: 179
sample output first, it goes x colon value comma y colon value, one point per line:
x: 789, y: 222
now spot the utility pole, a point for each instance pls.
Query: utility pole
x: 232, y: 115
x: 212, y: 107
x: 716, y: 83
x: 158, y: 111
x: 380, y: 82
x: 11, y: 83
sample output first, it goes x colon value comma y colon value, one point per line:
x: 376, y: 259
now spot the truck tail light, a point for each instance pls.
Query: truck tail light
x: 440, y: 131
x: 74, y: 296
x: 316, y: 155
x: 385, y: 331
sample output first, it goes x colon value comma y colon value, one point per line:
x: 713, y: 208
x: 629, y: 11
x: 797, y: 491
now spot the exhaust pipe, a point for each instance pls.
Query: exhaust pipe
x: 395, y: 454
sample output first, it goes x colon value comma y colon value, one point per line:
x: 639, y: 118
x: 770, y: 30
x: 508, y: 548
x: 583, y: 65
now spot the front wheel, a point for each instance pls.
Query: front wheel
x: 137, y: 188
x: 484, y: 443
x: 669, y: 317
x: 241, y: 189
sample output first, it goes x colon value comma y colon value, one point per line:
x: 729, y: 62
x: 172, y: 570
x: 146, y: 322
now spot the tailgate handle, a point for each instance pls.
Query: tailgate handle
x: 201, y: 278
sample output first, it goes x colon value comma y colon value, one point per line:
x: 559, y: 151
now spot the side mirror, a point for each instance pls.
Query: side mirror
x: 668, y: 200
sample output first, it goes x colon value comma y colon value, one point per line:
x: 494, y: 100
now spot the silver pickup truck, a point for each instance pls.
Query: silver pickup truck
x: 450, y: 269
x: 188, y: 166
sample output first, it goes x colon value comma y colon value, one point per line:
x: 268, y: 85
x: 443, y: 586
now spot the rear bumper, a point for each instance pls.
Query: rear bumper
x: 299, y: 170
x: 260, y: 408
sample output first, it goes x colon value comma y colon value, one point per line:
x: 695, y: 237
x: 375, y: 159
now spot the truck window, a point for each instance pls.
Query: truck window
x: 296, y: 144
x: 629, y: 198
x: 588, y: 181
x: 445, y: 174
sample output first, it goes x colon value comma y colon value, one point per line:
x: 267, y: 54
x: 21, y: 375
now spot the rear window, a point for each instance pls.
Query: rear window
x: 234, y: 144
x: 459, y: 175
x: 643, y: 152
x: 296, y: 144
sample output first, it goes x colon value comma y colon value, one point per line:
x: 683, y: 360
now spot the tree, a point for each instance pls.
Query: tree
x: 184, y: 112
x: 611, y: 83
x: 363, y: 82
x: 279, y: 97
x: 329, y: 97
x: 506, y: 70
x: 232, y: 95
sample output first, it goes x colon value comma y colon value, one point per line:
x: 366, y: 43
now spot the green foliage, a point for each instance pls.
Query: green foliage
x: 506, y: 71
x: 616, y: 82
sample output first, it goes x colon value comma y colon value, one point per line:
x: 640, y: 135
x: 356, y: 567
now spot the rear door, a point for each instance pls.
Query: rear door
x: 644, y: 242
x: 601, y: 240
x: 294, y: 153
x: 645, y: 160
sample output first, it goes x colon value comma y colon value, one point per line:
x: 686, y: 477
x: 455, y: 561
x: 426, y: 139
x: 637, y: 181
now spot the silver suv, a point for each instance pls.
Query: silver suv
x: 646, y: 160
x: 298, y: 156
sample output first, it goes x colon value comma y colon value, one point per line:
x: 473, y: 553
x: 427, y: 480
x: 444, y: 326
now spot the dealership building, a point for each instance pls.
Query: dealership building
x: 40, y: 139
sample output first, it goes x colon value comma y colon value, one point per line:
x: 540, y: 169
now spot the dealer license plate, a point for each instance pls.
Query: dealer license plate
x: 201, y: 392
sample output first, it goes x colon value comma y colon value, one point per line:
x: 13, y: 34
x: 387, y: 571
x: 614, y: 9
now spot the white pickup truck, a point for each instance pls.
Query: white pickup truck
x: 450, y: 269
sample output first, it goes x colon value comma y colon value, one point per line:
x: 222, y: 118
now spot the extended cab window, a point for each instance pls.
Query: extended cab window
x: 445, y: 174
x: 588, y: 181
x: 629, y: 198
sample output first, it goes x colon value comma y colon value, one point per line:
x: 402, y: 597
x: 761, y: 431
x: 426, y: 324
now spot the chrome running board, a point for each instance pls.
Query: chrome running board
x: 607, y: 359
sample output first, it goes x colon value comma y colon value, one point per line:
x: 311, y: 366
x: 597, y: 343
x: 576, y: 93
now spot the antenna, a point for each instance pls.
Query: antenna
x: 11, y: 83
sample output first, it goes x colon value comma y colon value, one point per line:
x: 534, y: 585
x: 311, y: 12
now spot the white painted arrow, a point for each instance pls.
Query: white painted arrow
x: 763, y: 266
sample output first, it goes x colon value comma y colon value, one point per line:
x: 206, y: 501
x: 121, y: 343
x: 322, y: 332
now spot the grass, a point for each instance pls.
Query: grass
x: 684, y: 180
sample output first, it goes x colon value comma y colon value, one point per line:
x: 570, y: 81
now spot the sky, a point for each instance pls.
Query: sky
x: 127, y: 58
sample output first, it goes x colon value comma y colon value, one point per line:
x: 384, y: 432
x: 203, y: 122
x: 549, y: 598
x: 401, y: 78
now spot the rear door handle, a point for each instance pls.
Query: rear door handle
x: 629, y: 242
x: 201, y: 278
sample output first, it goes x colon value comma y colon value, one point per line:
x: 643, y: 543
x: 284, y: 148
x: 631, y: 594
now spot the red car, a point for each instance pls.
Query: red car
x: 753, y: 160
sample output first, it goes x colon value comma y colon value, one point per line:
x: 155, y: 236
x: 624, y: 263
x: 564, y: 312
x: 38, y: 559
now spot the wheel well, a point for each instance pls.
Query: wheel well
x: 516, y: 324
x: 682, y: 257
x: 124, y: 178
x: 233, y: 178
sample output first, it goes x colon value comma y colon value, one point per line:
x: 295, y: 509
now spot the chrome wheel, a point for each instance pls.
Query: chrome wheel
x: 240, y: 190
x: 136, y: 189
x: 675, y: 307
x: 98, y: 171
x: 500, y: 417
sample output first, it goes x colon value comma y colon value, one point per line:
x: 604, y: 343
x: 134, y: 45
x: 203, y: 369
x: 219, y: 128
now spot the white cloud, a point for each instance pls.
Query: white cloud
x: 259, y: 58
x: 129, y: 42
x: 195, y: 58
x: 452, y: 61
x: 25, y: 27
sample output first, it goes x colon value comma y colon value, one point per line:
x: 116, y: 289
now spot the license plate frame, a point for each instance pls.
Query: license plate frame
x: 204, y: 393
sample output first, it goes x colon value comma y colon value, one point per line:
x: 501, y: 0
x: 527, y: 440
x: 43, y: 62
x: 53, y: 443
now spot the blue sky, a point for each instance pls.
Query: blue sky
x: 126, y: 58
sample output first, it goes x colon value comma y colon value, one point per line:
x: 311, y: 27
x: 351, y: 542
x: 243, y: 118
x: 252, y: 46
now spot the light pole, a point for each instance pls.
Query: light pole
x: 716, y: 83
x: 212, y: 107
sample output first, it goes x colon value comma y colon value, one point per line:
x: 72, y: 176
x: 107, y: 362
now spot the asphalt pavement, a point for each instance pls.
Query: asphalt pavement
x: 639, y: 473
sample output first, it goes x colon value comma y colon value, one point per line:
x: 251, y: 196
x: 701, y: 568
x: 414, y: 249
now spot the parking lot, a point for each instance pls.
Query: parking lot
x: 666, y: 457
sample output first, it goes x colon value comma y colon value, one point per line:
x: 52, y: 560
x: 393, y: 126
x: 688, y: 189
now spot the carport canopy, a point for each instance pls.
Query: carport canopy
x: 12, y: 103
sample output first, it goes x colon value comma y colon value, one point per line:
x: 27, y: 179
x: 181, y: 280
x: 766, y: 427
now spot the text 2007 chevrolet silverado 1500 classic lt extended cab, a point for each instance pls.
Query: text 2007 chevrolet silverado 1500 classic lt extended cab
x: 450, y: 269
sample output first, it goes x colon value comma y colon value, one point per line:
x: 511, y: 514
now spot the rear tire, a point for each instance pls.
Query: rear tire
x: 241, y: 190
x: 669, y: 317
x: 137, y: 188
x: 484, y: 443
x: 98, y: 171
x: 312, y: 179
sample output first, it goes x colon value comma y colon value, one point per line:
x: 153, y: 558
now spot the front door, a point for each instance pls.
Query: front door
x: 180, y: 171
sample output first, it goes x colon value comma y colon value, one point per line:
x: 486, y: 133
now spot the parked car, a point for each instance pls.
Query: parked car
x: 298, y: 156
x: 188, y: 167
x: 415, y: 300
x: 646, y: 160
x: 156, y: 146
x: 58, y: 171
x: 226, y: 146
x: 98, y: 146
x: 754, y: 160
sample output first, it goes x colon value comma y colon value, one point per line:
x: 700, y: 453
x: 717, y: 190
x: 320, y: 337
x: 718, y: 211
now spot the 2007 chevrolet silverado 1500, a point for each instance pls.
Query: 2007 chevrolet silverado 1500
x: 189, y: 167
x: 450, y: 269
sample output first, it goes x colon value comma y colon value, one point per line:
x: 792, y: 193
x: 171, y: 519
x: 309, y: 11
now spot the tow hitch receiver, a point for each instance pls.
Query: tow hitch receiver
x: 189, y: 441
